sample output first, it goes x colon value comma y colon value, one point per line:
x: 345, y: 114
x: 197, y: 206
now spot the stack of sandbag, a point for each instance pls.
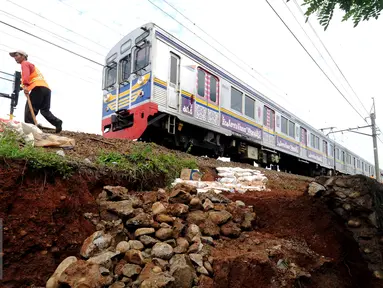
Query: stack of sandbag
x: 230, y: 179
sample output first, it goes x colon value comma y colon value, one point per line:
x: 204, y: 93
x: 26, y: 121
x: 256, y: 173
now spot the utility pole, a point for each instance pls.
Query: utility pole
x: 14, y: 97
x: 374, y: 140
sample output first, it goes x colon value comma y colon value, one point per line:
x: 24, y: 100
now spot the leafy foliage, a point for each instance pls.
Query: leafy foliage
x: 357, y: 10
x: 12, y: 147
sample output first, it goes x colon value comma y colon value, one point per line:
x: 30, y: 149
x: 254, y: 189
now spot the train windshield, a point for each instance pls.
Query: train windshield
x: 110, y: 75
x: 142, y: 58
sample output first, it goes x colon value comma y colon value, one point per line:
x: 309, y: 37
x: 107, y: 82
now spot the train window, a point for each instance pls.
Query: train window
x: 268, y: 118
x: 304, y: 136
x: 331, y: 150
x: 314, y: 141
x: 125, y: 67
x: 348, y: 159
x: 142, y: 58
x: 249, y: 107
x: 354, y: 162
x: 236, y: 99
x: 173, y: 69
x: 126, y: 46
x: 325, y: 148
x: 201, y: 83
x: 343, y: 157
x: 284, y: 123
x: 291, y: 129
x: 110, y: 74
x: 337, y: 153
x: 213, y: 89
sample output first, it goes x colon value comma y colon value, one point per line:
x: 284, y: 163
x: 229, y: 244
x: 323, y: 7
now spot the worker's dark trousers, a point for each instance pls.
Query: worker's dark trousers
x: 41, y: 101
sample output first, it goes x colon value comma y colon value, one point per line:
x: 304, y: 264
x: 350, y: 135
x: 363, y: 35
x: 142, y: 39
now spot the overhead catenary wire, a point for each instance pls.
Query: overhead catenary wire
x: 95, y: 20
x: 10, y: 80
x: 226, y: 57
x: 316, y: 63
x: 51, y: 43
x: 50, y: 32
x: 328, y: 52
x: 57, y: 24
x: 6, y: 73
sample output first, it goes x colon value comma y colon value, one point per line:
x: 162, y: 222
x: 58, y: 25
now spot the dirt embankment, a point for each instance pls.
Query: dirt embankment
x: 44, y: 223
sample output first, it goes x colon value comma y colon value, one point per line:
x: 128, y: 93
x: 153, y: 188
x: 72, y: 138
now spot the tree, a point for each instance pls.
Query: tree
x: 358, y: 10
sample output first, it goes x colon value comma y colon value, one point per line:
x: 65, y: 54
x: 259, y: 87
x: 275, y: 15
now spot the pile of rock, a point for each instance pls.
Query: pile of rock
x: 230, y: 179
x: 357, y: 199
x: 153, y: 239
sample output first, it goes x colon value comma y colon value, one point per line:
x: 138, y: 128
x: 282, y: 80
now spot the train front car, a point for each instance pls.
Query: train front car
x: 127, y: 84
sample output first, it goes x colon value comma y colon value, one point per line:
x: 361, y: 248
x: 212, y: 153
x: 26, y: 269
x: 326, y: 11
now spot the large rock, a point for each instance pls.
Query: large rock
x: 214, y: 197
x: 95, y: 243
x: 122, y: 247
x: 248, y: 220
x: 183, y: 271
x: 152, y: 277
x: 141, y: 220
x: 178, y: 228
x: 164, y: 233
x: 209, y: 228
x: 158, y: 208
x: 180, y: 196
x: 144, y: 231
x: 104, y: 259
x: 192, y: 231
x: 231, y: 229
x: 116, y: 193
x: 136, y: 245
x: 315, y: 188
x: 208, y: 205
x: 130, y: 270
x: 134, y: 257
x: 84, y: 274
x: 196, y: 217
x: 148, y: 241
x: 164, y: 218
x: 177, y: 209
x: 219, y: 217
x: 162, y: 250
x: 121, y: 208
x: 149, y: 197
x: 182, y: 246
x: 53, y: 282
x: 196, y: 258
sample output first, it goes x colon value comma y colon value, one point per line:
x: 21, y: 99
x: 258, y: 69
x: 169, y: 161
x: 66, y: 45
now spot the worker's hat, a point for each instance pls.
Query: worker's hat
x: 13, y: 54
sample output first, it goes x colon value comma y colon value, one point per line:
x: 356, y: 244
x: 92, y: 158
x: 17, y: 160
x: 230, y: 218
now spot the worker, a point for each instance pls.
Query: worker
x: 36, y: 87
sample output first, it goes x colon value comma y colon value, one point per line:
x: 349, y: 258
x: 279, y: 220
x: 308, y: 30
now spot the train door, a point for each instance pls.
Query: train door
x: 212, y: 100
x: 174, y: 81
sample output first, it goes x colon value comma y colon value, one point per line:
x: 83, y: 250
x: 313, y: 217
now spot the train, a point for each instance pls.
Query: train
x: 158, y: 89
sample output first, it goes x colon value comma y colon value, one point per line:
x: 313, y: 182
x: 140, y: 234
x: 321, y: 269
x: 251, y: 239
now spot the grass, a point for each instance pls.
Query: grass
x: 145, y: 163
x: 12, y: 146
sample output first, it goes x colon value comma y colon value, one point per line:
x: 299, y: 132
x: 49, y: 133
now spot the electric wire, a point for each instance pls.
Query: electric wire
x: 226, y: 57
x: 6, y: 79
x: 50, y: 32
x: 51, y: 43
x: 6, y: 73
x: 328, y: 52
x: 316, y: 63
x: 218, y: 42
x: 57, y: 24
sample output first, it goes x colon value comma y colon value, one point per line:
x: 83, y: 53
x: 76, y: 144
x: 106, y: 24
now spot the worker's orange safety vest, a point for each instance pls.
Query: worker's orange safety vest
x: 35, y: 79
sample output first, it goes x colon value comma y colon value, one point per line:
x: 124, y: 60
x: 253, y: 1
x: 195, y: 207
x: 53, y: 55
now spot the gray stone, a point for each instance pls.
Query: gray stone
x: 208, y: 205
x: 122, y: 247
x: 182, y: 246
x: 118, y: 284
x: 53, y: 282
x: 171, y: 242
x: 183, y: 271
x: 135, y: 244
x: 104, y: 259
x: 192, y: 231
x: 141, y: 220
x: 121, y: 208
x: 164, y: 218
x: 158, y: 208
x: 219, y: 217
x: 179, y: 196
x: 148, y: 241
x: 197, y: 259
x: 144, y: 231
x: 164, y: 233
x: 130, y: 270
x: 231, y: 229
x: 240, y: 203
x: 162, y: 250
x: 161, y: 263
x: 315, y: 188
x: 202, y: 270
x: 208, y: 267
x: 95, y: 243
x: 134, y: 257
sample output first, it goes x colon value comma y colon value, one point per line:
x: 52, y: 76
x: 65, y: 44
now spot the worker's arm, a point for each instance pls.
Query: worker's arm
x: 26, y: 68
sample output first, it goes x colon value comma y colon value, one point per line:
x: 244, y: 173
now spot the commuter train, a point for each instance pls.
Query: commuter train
x: 158, y: 89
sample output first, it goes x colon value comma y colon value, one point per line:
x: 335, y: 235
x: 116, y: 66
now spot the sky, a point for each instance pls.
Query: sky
x: 256, y: 47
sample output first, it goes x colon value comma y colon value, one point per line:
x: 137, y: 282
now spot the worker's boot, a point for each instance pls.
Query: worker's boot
x: 59, y: 126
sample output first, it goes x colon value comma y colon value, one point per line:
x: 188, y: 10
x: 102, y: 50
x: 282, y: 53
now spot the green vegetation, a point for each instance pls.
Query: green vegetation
x: 13, y: 147
x: 356, y: 10
x: 143, y: 163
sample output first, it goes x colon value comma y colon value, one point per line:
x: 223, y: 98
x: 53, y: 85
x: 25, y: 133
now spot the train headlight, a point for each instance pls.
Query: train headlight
x: 106, y: 97
x: 140, y: 80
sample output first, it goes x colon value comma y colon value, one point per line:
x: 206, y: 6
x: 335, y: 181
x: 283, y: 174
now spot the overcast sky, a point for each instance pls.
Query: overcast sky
x: 247, y: 28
